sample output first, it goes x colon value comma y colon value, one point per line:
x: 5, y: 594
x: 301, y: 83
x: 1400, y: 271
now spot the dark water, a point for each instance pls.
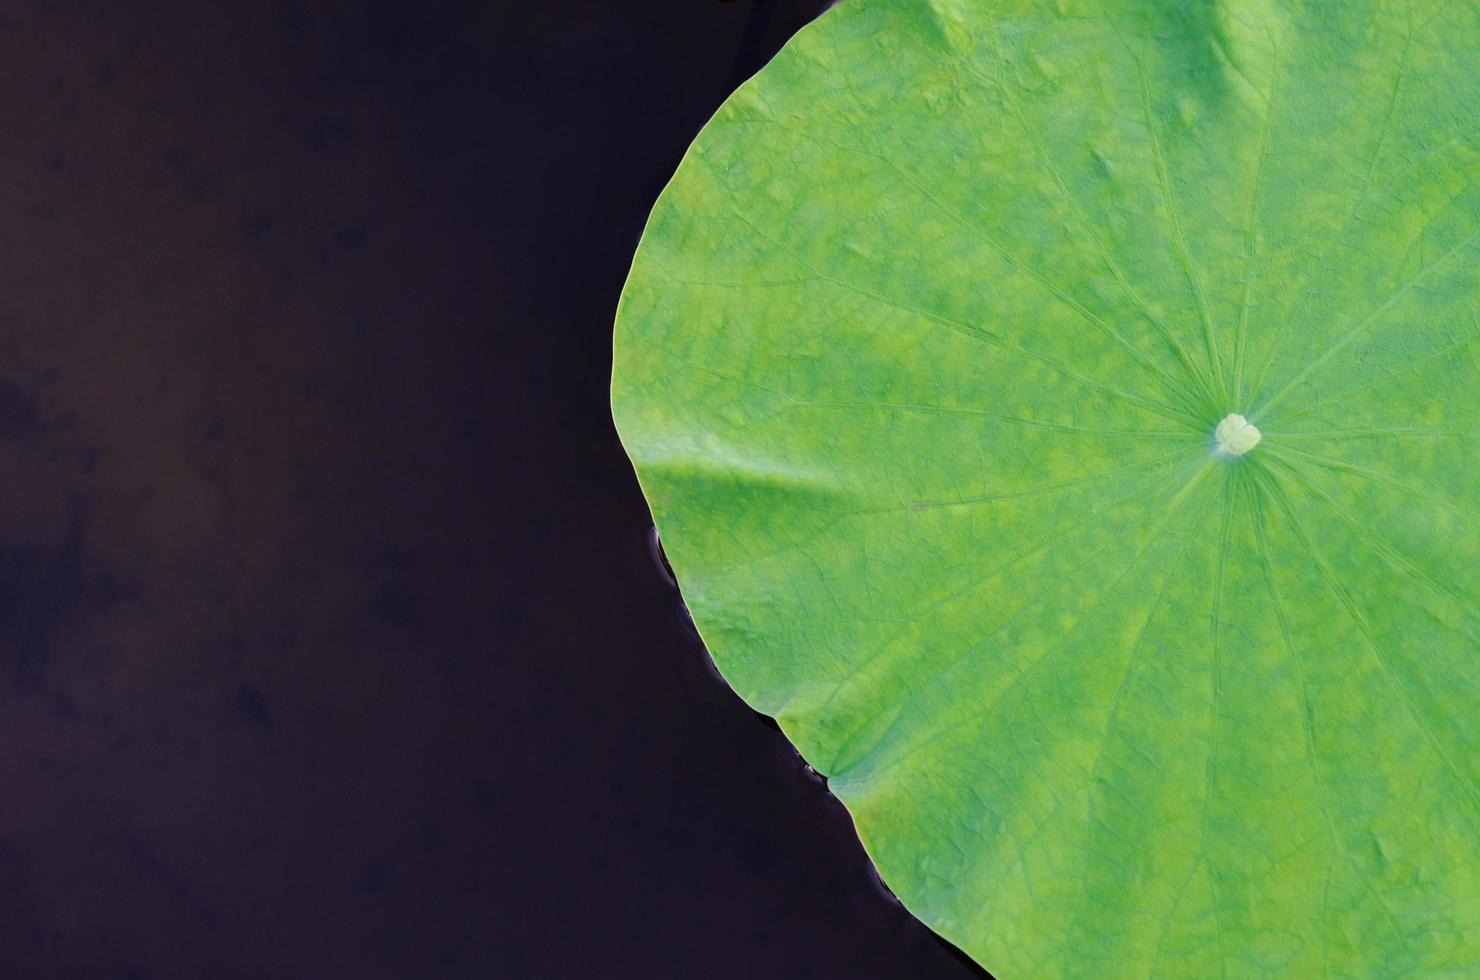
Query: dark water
x: 331, y: 639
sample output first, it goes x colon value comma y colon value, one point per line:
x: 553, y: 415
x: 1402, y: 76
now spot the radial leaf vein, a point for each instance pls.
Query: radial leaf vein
x: 1399, y: 685
x: 1179, y: 238
x: 1300, y: 669
x: 1120, y: 691
x: 1367, y: 183
x: 1251, y: 225
x: 1200, y: 384
x: 1055, y: 536
x: 978, y: 333
x: 1351, y: 334
x: 985, y: 711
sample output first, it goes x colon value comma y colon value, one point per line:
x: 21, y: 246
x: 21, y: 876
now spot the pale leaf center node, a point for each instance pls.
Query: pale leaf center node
x: 1235, y: 435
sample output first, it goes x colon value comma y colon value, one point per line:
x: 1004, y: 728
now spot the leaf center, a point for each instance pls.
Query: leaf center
x: 1235, y: 435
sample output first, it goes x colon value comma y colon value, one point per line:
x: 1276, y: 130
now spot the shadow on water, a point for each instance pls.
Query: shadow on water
x: 321, y: 647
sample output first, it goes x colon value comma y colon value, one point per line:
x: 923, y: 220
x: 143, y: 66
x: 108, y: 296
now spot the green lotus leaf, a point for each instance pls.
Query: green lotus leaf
x: 1062, y: 417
